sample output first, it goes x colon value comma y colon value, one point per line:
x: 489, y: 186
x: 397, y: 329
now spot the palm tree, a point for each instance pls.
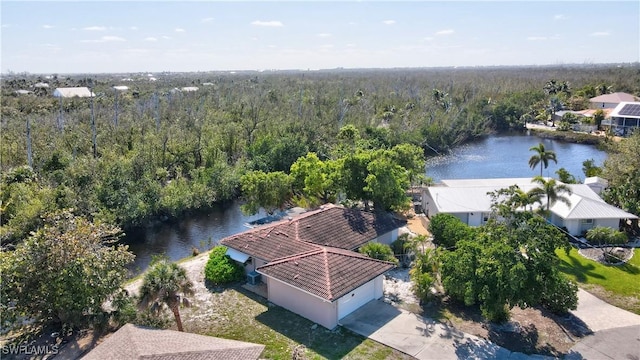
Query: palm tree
x: 522, y: 199
x: 541, y: 157
x: 552, y: 190
x: 166, y: 284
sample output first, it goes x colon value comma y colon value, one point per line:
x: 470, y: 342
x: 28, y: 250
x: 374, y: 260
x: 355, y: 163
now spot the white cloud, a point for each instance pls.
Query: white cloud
x: 428, y: 38
x: 4, y: 26
x: 267, y: 23
x: 537, y: 38
x: 46, y: 26
x: 445, y: 32
x: 559, y: 17
x: 180, y: 30
x: 324, y: 35
x: 95, y: 28
x: 150, y: 38
x: 133, y: 28
x: 389, y: 22
x: 207, y: 20
x: 166, y: 37
x: 601, y: 33
x: 104, y: 39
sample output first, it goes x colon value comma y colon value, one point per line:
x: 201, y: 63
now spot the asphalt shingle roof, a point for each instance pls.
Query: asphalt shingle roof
x: 328, y: 273
x: 136, y: 342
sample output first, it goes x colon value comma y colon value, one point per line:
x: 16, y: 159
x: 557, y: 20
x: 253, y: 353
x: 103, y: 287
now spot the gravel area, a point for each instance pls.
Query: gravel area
x: 398, y: 288
x: 598, y: 254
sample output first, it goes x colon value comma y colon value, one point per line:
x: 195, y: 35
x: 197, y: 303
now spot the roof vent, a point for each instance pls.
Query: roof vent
x: 289, y: 218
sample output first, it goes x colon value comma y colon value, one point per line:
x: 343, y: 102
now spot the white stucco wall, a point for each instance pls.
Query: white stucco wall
x: 306, y: 305
x: 576, y: 227
x: 387, y: 238
x: 428, y: 204
x: 475, y: 219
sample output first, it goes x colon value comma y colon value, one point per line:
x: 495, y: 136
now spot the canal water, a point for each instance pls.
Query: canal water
x: 508, y: 156
x: 492, y: 157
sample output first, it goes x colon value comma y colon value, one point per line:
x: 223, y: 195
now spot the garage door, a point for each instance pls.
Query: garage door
x: 355, y: 299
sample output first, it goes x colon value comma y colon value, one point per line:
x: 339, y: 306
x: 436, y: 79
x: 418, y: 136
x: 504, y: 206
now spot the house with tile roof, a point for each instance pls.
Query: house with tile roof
x: 610, y: 101
x: 132, y: 342
x: 468, y: 200
x: 324, y: 285
x: 310, y: 262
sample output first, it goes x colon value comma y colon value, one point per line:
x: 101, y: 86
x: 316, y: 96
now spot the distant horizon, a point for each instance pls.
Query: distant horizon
x: 172, y: 36
x: 233, y: 71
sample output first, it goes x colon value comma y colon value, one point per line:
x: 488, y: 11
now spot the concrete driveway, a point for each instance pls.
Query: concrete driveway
x: 421, y: 337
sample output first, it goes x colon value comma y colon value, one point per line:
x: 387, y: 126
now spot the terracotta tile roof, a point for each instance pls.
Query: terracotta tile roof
x: 135, y: 342
x: 344, y: 228
x: 332, y: 225
x: 328, y: 273
x: 614, y: 98
x: 270, y: 242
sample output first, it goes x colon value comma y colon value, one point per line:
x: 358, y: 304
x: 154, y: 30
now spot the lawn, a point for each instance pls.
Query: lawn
x: 235, y: 313
x: 618, y: 285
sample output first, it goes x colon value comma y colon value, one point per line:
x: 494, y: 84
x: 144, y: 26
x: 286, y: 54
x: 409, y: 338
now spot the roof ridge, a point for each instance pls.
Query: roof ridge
x: 327, y: 276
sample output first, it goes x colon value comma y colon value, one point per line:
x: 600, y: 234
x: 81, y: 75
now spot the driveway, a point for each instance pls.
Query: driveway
x: 421, y: 337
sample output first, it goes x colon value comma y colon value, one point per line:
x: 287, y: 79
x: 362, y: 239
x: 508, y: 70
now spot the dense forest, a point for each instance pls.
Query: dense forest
x: 155, y: 151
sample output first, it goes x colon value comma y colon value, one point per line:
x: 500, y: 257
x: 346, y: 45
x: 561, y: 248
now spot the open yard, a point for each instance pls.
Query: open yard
x: 617, y: 285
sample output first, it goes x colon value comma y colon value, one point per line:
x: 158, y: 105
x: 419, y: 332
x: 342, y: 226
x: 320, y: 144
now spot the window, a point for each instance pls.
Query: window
x: 587, y: 221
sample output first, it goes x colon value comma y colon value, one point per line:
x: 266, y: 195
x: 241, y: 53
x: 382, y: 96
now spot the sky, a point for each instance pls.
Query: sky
x: 151, y: 36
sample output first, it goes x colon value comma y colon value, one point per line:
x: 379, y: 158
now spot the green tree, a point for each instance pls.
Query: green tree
x: 509, y: 264
x: 447, y: 230
x: 600, y: 235
x: 590, y: 169
x: 551, y: 190
x: 316, y: 179
x: 622, y: 170
x: 63, y: 272
x: 565, y: 176
x: 378, y: 251
x: 542, y: 157
x: 165, y: 284
x: 387, y: 184
x: 269, y: 191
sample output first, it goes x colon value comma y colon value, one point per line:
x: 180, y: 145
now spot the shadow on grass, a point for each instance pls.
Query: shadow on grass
x: 628, y: 268
x: 578, y: 269
x: 331, y: 344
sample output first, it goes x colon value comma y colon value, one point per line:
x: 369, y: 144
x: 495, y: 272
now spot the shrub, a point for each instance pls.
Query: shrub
x: 221, y: 269
x: 447, y: 230
x: 379, y: 251
x: 600, y: 235
x: 422, y: 283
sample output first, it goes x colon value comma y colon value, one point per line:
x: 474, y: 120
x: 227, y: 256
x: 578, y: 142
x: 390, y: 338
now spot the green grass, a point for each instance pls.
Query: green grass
x: 240, y: 315
x: 618, y: 285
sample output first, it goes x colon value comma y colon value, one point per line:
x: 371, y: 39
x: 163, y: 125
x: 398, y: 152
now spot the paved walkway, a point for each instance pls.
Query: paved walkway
x: 599, y: 315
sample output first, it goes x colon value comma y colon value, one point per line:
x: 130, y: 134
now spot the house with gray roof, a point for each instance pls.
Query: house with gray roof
x: 624, y: 119
x: 468, y: 200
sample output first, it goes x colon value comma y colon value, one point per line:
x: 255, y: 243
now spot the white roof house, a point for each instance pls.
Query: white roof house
x: 73, y: 92
x: 41, y: 85
x: 121, y: 88
x: 468, y: 200
x: 189, y: 88
x: 624, y: 118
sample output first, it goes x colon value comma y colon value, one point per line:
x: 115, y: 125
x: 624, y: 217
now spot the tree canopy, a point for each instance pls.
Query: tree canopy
x: 63, y: 272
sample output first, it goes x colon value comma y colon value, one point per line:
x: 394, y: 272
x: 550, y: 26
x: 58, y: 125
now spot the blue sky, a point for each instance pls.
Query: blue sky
x: 132, y: 36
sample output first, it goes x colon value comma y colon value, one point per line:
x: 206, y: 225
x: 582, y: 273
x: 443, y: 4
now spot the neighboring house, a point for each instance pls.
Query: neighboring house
x: 597, y: 184
x: 468, y: 200
x: 326, y: 284
x: 73, y: 92
x: 23, y: 92
x: 624, y: 119
x: 610, y: 101
x: 310, y: 263
x: 133, y: 342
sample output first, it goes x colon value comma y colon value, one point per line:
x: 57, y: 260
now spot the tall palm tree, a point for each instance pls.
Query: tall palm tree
x: 542, y: 157
x: 522, y: 199
x: 166, y: 284
x: 552, y: 190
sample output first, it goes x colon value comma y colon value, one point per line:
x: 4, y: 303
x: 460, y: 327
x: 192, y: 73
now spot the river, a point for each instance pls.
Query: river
x: 491, y: 157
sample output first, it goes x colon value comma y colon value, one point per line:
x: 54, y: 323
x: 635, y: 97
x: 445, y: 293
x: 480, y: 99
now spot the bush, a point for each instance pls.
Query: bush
x: 447, y: 230
x: 606, y: 236
x: 379, y: 251
x: 422, y: 283
x: 221, y: 269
